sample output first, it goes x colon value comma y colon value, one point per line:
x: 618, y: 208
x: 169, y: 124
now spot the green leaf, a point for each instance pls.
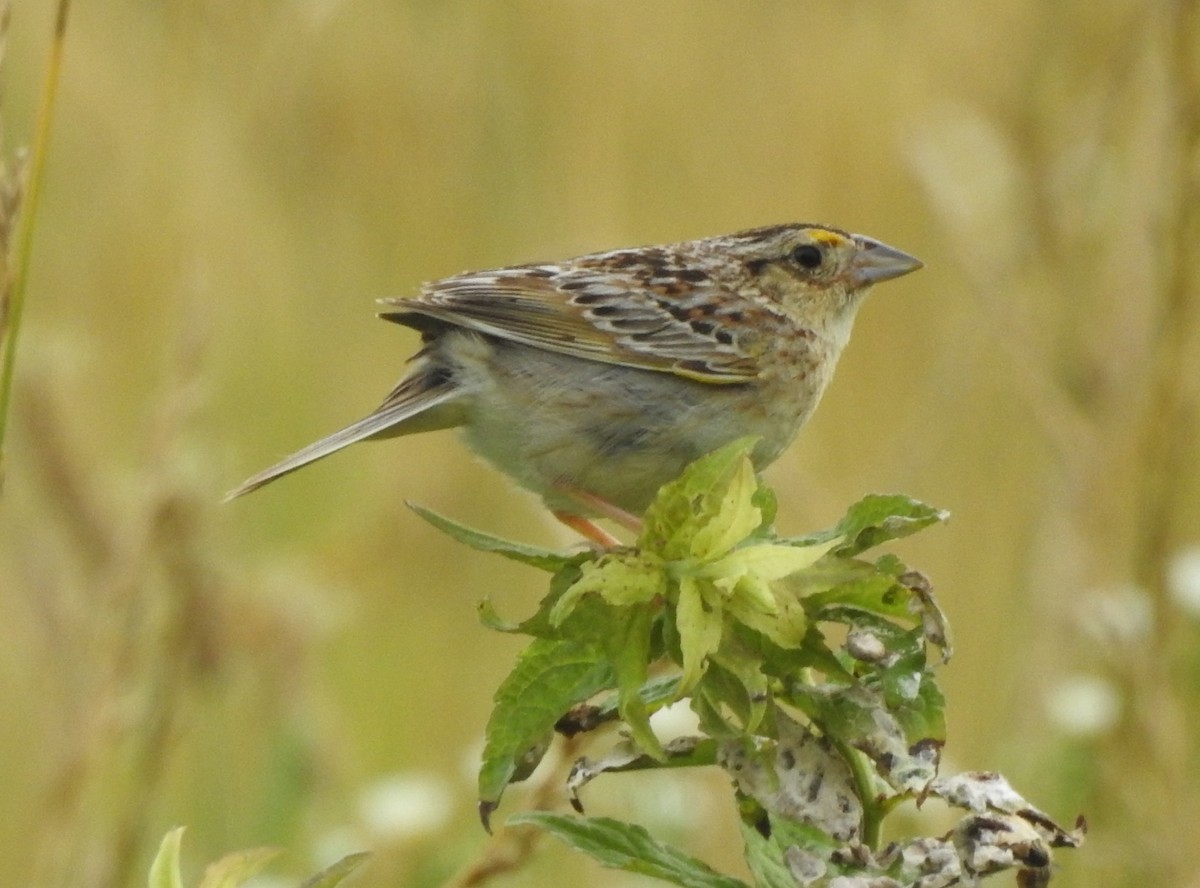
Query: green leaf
x: 164, y: 870
x: 785, y: 663
x: 655, y: 693
x: 877, y: 594
x: 732, y: 515
x: 490, y: 617
x: 628, y: 650
x: 699, y: 620
x: 734, y: 680
x: 621, y: 578
x: 765, y: 560
x: 787, y: 627
x: 922, y: 715
x: 901, y: 678
x: 748, y: 576
x: 237, y: 868
x: 534, y: 556
x: 628, y: 847
x: 714, y: 490
x: 791, y: 832
x: 333, y: 875
x: 766, y: 857
x: 549, y: 678
x: 539, y: 625
x: 764, y: 500
x: 876, y: 519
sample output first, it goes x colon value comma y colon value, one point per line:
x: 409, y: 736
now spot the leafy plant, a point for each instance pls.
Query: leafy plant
x: 234, y: 870
x: 809, y: 663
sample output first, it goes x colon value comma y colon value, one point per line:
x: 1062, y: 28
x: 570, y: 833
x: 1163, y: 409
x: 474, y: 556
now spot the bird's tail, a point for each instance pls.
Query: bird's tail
x: 414, y: 397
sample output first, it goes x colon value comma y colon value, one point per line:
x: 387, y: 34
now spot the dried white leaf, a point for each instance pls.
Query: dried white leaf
x: 805, y: 866
x: 800, y: 777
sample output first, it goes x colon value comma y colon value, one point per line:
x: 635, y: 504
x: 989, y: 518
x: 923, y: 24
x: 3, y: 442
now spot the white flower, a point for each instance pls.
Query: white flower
x: 1183, y: 580
x: 676, y: 720
x: 1121, y: 614
x: 403, y: 806
x: 1083, y: 705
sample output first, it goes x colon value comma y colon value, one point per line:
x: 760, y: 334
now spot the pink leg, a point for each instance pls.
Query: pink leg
x: 589, y: 529
x: 604, y: 508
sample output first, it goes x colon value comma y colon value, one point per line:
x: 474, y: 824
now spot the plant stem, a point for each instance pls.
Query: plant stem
x: 14, y: 298
x: 863, y: 774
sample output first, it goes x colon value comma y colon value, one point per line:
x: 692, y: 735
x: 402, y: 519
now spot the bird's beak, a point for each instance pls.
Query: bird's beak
x: 876, y: 261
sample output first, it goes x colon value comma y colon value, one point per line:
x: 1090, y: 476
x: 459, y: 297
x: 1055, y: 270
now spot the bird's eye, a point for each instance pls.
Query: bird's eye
x: 807, y: 256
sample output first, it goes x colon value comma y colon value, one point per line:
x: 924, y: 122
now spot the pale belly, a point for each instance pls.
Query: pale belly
x: 555, y: 423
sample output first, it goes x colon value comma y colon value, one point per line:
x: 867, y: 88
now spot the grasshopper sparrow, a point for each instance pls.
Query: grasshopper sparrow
x: 594, y: 381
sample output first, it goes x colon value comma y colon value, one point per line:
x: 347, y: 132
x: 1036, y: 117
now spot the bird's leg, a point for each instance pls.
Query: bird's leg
x: 604, y: 509
x: 589, y: 529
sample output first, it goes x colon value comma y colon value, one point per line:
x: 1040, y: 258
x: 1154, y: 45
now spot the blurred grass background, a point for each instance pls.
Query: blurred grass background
x: 232, y: 184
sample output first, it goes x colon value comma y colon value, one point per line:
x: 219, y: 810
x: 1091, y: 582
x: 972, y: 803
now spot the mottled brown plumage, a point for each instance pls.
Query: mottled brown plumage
x: 601, y: 377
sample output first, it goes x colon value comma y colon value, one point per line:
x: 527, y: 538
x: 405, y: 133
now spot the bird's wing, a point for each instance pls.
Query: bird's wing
x: 646, y: 316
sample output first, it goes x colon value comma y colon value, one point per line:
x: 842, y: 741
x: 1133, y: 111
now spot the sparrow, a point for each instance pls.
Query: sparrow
x: 594, y: 381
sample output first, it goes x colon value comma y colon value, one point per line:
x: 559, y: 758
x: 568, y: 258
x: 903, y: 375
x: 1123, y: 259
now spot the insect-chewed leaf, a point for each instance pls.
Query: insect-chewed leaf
x: 873, y: 594
x: 733, y: 516
x: 622, y: 579
x: 710, y: 506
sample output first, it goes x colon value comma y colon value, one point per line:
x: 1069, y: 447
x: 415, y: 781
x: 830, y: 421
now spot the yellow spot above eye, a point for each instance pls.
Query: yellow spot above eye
x: 823, y: 236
